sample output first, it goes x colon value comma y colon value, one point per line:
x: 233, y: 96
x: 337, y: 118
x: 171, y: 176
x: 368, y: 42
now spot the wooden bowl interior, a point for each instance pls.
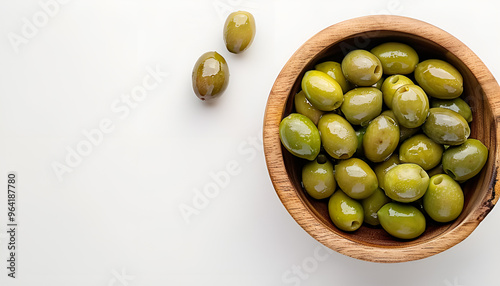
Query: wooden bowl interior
x: 481, y: 128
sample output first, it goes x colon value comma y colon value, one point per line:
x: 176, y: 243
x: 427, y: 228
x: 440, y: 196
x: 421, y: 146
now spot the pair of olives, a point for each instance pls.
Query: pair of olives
x: 210, y: 75
x: 389, y: 151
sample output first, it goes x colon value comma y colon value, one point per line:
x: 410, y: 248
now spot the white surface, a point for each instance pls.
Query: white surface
x: 115, y: 219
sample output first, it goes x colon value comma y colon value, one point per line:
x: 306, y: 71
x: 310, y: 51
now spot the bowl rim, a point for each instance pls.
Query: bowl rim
x: 275, y: 109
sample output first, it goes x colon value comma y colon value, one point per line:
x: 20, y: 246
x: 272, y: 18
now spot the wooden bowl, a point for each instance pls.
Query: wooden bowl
x: 481, y: 91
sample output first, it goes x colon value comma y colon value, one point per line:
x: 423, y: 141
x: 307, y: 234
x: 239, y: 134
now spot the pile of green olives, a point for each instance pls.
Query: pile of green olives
x: 384, y: 137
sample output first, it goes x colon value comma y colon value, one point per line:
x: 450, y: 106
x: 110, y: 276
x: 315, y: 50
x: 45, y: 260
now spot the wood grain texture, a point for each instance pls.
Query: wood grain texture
x: 481, y: 91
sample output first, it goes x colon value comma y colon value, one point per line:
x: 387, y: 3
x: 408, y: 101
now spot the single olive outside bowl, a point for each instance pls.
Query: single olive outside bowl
x: 481, y: 91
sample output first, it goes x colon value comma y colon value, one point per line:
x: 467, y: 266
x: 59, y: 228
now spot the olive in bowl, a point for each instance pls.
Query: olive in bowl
x: 480, y: 90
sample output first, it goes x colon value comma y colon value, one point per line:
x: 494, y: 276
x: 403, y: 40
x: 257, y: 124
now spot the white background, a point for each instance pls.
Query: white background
x: 115, y: 219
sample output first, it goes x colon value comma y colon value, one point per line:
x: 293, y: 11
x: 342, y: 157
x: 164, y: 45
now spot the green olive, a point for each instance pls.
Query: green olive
x: 355, y: 178
x: 360, y: 133
x: 239, y: 31
x: 322, y: 91
x: 334, y: 70
x: 439, y: 79
x: 404, y: 133
x: 436, y: 171
x: 396, y: 58
x: 444, y: 199
x: 402, y: 220
x: 300, y: 136
x: 446, y: 127
x: 346, y: 213
x: 382, y: 168
x: 422, y: 151
x: 381, y: 138
x: 210, y: 76
x: 318, y: 178
x: 338, y: 137
x: 419, y: 204
x: 410, y: 105
x: 390, y: 85
x: 458, y: 105
x: 406, y: 182
x: 372, y: 205
x: 361, y: 105
x: 304, y: 107
x: 378, y: 84
x: 362, y: 68
x: 465, y: 161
